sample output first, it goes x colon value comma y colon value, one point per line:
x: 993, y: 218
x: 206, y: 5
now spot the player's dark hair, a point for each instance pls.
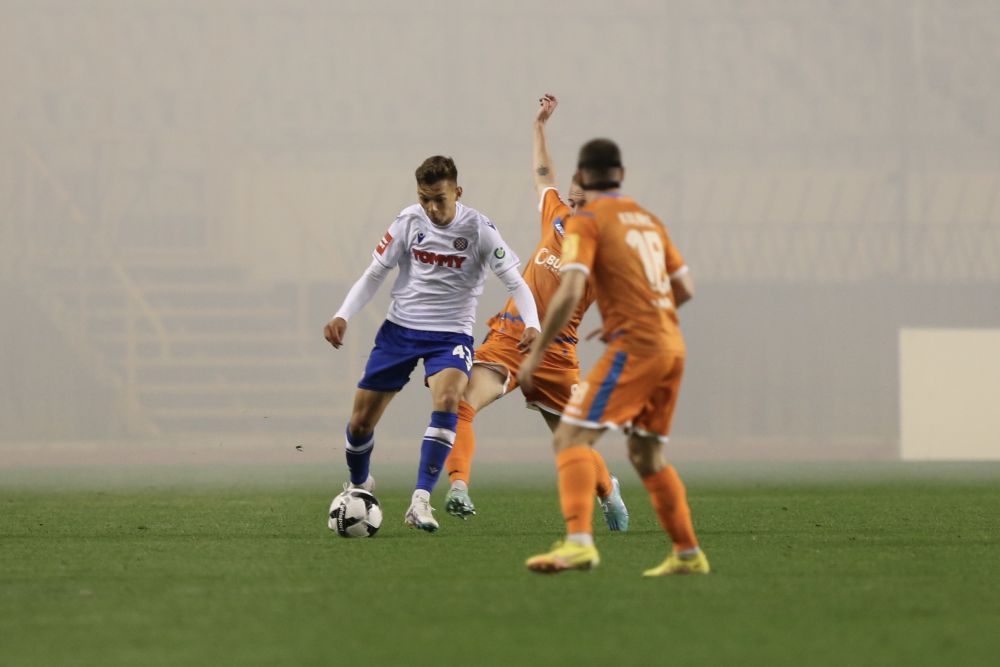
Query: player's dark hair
x: 599, y: 165
x: 437, y: 168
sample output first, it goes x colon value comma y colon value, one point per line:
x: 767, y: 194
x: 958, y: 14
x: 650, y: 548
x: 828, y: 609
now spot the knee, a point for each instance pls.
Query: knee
x: 645, y: 457
x: 643, y: 463
x: 448, y: 403
x: 448, y: 400
x: 474, y: 398
x: 360, y: 424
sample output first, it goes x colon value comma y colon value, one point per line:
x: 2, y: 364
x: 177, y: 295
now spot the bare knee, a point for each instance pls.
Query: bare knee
x: 447, y: 400
x: 360, y: 424
x: 446, y: 389
x: 646, y: 455
x: 363, y: 420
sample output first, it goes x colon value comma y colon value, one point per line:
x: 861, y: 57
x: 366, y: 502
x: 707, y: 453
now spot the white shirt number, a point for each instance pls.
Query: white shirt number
x: 464, y: 353
x: 650, y: 248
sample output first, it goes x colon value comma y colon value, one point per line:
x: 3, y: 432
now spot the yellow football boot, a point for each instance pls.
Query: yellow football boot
x: 674, y: 564
x: 565, y: 555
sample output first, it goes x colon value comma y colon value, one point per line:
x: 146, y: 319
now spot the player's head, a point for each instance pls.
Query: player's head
x: 438, y: 189
x: 599, y: 166
x: 575, y: 197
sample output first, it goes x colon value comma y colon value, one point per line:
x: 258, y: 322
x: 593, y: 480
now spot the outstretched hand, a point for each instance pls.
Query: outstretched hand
x: 547, y: 106
x: 334, y: 331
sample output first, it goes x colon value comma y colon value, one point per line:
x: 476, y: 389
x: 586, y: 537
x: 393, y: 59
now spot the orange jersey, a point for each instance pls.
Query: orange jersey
x: 630, y: 260
x: 542, y: 274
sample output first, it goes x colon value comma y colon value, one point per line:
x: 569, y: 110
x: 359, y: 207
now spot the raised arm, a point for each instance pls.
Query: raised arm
x: 541, y: 163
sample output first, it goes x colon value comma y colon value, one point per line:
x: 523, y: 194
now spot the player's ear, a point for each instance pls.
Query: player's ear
x: 458, y: 192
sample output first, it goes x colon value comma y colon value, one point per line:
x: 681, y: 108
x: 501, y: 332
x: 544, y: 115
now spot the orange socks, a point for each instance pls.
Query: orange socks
x: 603, y: 476
x: 459, y: 462
x: 577, y: 480
x: 669, y: 498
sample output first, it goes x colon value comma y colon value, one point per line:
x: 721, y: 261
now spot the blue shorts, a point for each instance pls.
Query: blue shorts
x: 398, y: 349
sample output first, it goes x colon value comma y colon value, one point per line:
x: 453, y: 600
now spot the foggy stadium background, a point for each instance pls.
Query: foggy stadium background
x: 188, y: 189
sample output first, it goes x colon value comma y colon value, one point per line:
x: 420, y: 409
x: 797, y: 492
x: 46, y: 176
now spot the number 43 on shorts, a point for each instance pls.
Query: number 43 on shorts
x: 462, y: 352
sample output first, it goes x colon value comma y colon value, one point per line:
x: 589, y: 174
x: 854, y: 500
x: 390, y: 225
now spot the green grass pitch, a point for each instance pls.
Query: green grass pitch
x: 885, y: 567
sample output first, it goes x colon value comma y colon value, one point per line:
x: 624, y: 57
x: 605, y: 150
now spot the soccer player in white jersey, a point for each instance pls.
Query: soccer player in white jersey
x: 442, y: 249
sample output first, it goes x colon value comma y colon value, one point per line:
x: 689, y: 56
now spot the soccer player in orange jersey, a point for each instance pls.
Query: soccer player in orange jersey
x: 498, y: 359
x: 640, y: 279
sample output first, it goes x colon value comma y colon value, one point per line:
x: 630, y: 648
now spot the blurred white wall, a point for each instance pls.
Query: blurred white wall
x: 949, y: 382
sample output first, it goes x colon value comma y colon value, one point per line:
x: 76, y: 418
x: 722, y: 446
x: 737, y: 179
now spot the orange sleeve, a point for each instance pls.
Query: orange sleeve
x: 580, y: 245
x: 552, y: 207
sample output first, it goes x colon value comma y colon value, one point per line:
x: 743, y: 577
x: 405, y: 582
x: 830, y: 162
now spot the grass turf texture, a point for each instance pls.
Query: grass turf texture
x: 885, y: 569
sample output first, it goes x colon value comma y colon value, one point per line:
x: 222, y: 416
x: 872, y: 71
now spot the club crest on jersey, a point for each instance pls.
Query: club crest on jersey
x: 560, y: 228
x: 425, y: 257
x: 460, y: 243
x: 384, y: 243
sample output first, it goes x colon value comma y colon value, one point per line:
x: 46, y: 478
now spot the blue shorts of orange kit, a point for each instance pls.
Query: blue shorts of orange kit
x: 628, y: 390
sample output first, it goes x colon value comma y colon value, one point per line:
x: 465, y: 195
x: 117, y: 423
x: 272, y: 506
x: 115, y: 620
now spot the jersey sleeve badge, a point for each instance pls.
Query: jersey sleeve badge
x: 383, y: 244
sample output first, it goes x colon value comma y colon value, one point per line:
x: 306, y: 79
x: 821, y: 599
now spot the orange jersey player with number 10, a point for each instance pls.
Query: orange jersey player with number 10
x: 499, y: 357
x: 640, y: 280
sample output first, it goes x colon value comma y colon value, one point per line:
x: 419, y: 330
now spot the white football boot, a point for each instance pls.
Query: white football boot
x: 420, y: 514
x: 458, y: 503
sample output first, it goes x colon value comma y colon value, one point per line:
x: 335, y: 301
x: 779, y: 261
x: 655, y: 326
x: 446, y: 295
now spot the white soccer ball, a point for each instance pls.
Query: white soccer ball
x: 355, y: 513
